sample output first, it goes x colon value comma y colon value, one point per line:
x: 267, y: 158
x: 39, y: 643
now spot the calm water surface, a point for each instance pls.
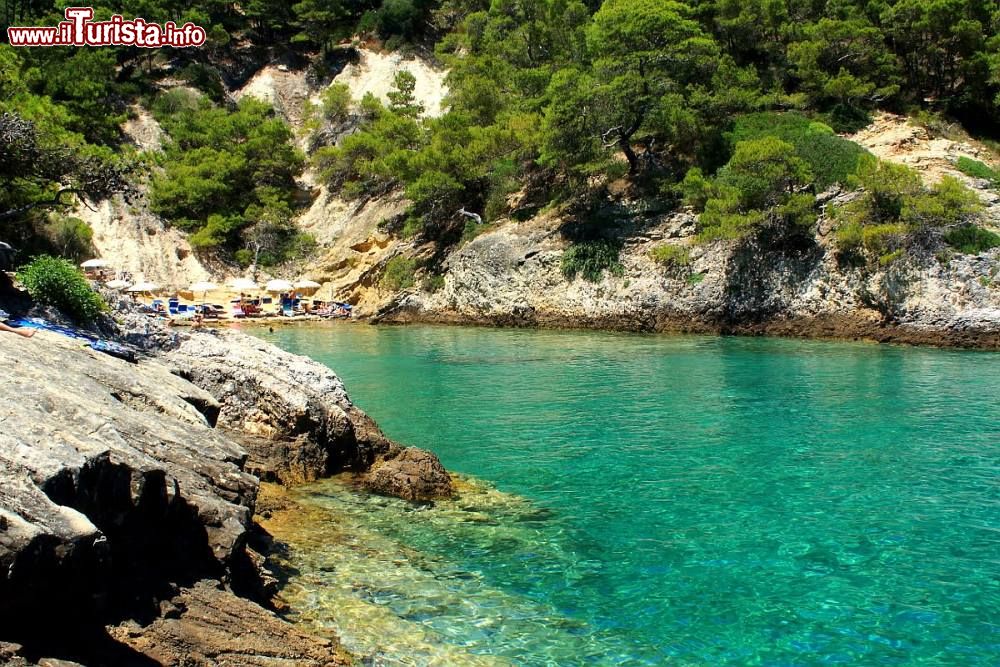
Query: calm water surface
x: 663, y: 500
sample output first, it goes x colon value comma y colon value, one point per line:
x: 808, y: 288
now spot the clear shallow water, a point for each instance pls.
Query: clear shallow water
x: 673, y: 500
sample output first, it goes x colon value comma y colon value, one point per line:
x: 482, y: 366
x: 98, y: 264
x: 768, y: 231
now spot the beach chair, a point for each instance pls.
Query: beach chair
x: 172, y: 305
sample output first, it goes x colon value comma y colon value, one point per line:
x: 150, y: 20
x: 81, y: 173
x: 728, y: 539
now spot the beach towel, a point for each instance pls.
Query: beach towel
x: 92, y: 341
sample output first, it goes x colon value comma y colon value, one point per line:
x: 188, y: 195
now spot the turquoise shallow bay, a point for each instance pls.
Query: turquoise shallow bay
x: 674, y: 500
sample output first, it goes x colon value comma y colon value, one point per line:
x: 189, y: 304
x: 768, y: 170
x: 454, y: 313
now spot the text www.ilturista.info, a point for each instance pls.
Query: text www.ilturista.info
x: 79, y: 30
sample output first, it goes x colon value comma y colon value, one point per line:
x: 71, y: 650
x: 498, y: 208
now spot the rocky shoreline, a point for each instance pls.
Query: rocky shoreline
x: 830, y: 327
x: 512, y: 277
x: 128, y: 494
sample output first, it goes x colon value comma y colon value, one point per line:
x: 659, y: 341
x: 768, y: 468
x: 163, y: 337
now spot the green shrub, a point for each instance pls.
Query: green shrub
x: 71, y: 237
x: 760, y: 185
x: 591, y: 259
x: 671, y: 256
x: 972, y: 240
x: 832, y: 159
x: 335, y: 102
x: 896, y: 204
x: 882, y: 240
x: 977, y: 169
x: 433, y: 284
x: 400, y: 273
x: 696, y: 279
x: 56, y: 282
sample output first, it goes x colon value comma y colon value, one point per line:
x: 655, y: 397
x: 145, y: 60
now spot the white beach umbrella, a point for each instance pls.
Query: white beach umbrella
x: 244, y: 285
x: 143, y: 287
x: 116, y: 284
x: 278, y: 286
x: 307, y: 286
x: 95, y: 264
x: 203, y: 287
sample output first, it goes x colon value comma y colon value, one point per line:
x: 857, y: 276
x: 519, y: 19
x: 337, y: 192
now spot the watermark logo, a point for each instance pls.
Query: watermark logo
x: 80, y: 30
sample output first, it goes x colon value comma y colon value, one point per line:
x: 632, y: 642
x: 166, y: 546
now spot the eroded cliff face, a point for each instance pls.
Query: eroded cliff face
x: 122, y: 486
x: 512, y: 276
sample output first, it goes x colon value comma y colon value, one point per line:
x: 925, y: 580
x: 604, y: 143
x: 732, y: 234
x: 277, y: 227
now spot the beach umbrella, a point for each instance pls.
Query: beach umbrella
x: 307, y: 286
x: 95, y: 264
x: 244, y: 285
x: 117, y: 284
x: 278, y: 286
x: 203, y: 287
x: 143, y: 287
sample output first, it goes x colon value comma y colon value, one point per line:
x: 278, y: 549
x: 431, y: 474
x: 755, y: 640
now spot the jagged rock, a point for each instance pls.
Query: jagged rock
x: 107, y: 470
x: 414, y: 474
x: 298, y: 422
x: 215, y: 627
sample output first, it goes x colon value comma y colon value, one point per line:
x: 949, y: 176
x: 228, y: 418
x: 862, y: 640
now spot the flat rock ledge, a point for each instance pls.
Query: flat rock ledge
x: 128, y: 491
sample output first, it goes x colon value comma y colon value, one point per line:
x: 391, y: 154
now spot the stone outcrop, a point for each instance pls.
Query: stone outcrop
x: 128, y: 491
x: 112, y: 482
x: 293, y: 414
x: 413, y: 475
x: 207, y: 626
x: 511, y: 276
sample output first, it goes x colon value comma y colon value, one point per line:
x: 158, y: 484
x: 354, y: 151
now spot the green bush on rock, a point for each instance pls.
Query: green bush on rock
x: 56, y: 282
x: 591, y: 259
x: 671, y: 256
x: 400, y: 273
x: 972, y: 240
x: 895, y: 208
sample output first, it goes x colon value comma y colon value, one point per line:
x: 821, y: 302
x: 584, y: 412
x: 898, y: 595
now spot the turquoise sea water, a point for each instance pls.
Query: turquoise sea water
x: 665, y: 500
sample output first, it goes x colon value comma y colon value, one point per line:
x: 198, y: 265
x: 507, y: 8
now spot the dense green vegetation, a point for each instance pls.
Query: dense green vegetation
x: 590, y: 259
x: 55, y: 282
x: 896, y: 212
x: 730, y: 105
x: 971, y: 240
x: 228, y: 177
x: 400, y: 273
x: 831, y: 159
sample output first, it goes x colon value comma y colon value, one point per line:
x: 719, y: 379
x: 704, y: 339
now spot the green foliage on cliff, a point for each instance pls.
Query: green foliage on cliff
x: 977, y: 169
x: 972, y: 240
x: 550, y: 100
x: 226, y: 172
x: 831, y: 159
x: 399, y: 273
x: 896, y: 212
x: 764, y: 184
x: 590, y: 259
x: 55, y: 282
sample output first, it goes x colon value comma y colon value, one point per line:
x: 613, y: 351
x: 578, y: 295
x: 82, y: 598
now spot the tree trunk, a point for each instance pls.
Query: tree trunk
x: 625, y: 145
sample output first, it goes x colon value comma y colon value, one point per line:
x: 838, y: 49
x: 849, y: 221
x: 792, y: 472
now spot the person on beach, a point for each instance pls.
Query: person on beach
x: 23, y: 333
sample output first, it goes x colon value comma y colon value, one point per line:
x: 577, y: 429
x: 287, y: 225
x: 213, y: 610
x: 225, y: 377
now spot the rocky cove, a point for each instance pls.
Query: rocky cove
x: 512, y: 277
x: 129, y: 494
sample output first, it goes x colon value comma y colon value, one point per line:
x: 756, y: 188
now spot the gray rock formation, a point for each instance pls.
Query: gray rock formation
x: 120, y: 482
x: 292, y: 413
x: 111, y: 479
x: 511, y: 276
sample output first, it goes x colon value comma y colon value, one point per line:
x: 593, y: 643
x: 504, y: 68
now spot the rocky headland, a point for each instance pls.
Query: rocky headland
x: 129, y: 491
x: 512, y: 276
